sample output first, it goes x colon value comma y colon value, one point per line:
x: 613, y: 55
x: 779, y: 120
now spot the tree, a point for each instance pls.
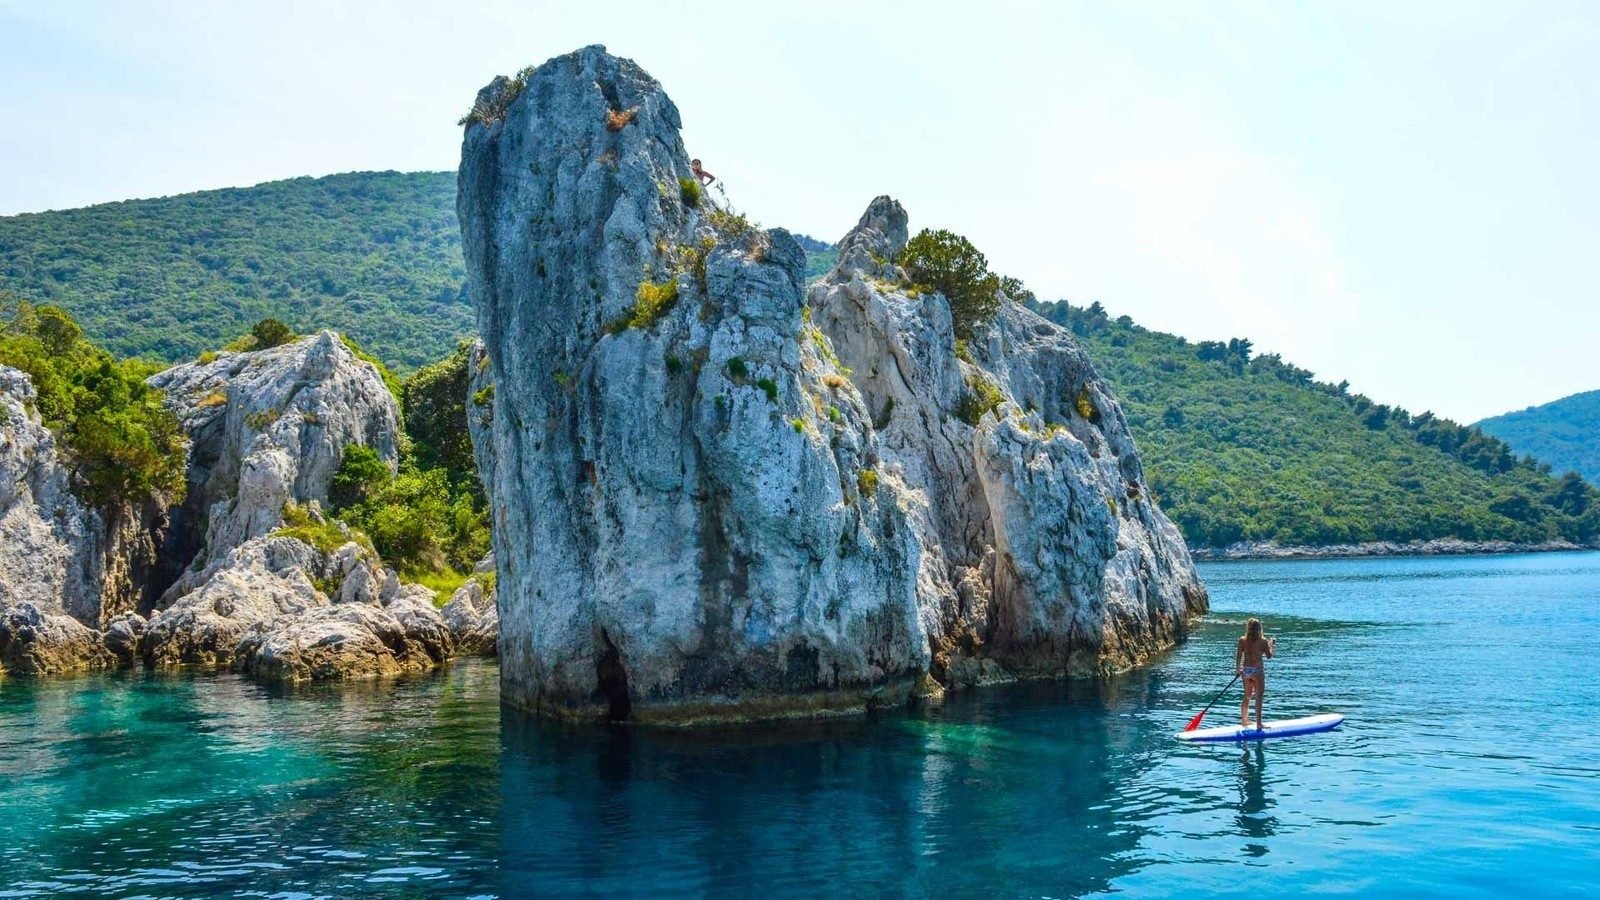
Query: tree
x: 271, y: 333
x: 946, y: 262
x: 361, y: 473
x: 122, y: 443
x: 434, y: 400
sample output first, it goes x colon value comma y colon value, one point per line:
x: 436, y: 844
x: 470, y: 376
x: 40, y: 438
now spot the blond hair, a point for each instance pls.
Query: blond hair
x: 1252, y: 629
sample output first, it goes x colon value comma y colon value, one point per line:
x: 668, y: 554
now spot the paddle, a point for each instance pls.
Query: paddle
x: 1195, y: 722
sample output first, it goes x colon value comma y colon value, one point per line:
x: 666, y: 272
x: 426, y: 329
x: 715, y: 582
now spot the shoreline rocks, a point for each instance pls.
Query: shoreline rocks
x: 1435, y: 547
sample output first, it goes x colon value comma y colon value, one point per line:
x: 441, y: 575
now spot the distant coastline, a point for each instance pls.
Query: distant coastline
x: 1437, y: 547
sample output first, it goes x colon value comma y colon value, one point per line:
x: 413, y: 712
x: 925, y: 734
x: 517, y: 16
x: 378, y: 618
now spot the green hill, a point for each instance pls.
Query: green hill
x: 1242, y: 447
x: 1237, y: 447
x: 1564, y: 433
x: 374, y: 254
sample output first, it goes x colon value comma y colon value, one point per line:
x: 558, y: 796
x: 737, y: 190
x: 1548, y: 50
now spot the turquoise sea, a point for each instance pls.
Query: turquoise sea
x: 1470, y: 766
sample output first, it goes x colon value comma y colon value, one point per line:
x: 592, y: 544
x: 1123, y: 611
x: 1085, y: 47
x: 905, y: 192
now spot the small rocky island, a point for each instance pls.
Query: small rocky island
x: 247, y: 572
x: 721, y: 494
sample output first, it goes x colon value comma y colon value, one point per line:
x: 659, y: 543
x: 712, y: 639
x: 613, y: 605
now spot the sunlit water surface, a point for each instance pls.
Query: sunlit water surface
x: 1468, y: 766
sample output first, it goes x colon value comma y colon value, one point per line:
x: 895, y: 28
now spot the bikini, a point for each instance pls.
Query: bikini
x: 1250, y: 671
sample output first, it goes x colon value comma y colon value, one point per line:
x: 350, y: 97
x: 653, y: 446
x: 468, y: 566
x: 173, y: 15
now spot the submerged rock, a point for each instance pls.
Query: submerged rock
x: 716, y: 498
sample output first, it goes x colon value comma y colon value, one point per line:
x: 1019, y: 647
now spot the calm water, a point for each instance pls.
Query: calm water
x: 1468, y: 766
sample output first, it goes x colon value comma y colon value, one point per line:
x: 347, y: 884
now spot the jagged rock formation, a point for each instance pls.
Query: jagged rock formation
x: 473, y: 619
x: 283, y: 609
x: 238, y: 588
x: 35, y: 641
x: 267, y: 428
x: 706, y: 505
x: 66, y: 569
x: 1041, y: 550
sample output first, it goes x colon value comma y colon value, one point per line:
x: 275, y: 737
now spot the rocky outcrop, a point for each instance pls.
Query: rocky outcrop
x: 716, y: 497
x: 1041, y: 549
x: 66, y: 568
x: 267, y: 428
x: 238, y: 589
x: 307, y: 601
x: 34, y: 641
x: 274, y: 589
x: 473, y: 619
x: 351, y: 640
x: 282, y: 609
x: 256, y: 585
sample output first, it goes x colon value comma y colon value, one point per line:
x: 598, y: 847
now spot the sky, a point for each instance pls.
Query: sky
x: 1403, y: 195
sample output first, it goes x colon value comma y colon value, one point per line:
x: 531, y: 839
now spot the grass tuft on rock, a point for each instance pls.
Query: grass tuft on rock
x: 653, y: 300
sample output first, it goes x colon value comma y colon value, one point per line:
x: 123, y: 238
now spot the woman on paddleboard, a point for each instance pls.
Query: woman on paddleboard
x: 1249, y: 663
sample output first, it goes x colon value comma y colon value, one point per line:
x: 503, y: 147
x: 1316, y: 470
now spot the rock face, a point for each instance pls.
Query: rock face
x: 268, y: 427
x: 66, y: 569
x: 473, y: 619
x: 706, y: 505
x: 282, y: 609
x: 1042, y: 553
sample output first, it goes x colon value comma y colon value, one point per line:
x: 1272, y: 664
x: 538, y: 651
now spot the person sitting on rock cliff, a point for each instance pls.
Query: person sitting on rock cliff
x: 704, y: 177
x: 1250, y: 663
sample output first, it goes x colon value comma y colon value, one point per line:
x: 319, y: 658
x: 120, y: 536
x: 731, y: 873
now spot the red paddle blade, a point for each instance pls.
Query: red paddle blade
x: 1195, y: 722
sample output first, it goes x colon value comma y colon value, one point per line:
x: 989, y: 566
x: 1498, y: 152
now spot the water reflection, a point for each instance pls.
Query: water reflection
x: 1253, y: 820
x: 1031, y: 786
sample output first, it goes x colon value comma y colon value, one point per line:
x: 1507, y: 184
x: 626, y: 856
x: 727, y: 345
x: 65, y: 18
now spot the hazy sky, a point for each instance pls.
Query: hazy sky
x: 1402, y: 194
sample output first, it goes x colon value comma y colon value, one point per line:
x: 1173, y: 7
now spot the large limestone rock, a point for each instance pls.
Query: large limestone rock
x: 678, y: 524
x: 268, y: 428
x: 704, y: 504
x: 66, y: 569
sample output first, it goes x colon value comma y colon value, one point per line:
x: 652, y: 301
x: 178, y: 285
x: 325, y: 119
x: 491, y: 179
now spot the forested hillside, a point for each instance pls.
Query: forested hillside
x: 1564, y: 433
x: 1237, y: 446
x: 376, y: 255
x: 1244, y: 447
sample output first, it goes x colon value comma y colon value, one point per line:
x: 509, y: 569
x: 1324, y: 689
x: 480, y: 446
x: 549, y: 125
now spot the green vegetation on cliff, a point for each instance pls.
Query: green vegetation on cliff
x: 429, y: 520
x: 376, y: 255
x: 1564, y: 433
x: 1241, y: 447
x: 120, y: 440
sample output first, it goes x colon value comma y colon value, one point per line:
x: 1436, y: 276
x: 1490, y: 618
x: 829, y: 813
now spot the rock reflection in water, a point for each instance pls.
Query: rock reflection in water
x: 950, y: 799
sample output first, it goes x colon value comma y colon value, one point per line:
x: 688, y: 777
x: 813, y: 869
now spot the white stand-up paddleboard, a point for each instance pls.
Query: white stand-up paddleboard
x: 1279, y: 729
